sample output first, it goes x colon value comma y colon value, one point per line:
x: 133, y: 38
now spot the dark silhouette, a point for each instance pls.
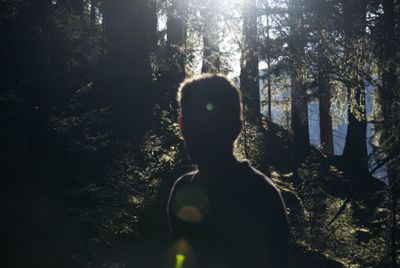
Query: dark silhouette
x: 227, y: 213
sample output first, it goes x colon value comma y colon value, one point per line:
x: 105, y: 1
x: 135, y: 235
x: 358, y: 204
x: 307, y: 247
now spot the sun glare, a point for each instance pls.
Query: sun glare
x: 228, y: 20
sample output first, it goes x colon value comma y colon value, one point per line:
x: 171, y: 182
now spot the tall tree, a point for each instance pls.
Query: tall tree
x: 77, y: 6
x: 249, y: 74
x: 323, y: 17
x: 354, y: 18
x: 269, y: 91
x: 93, y: 12
x: 323, y: 80
x: 41, y: 9
x: 299, y: 111
x: 389, y: 96
x: 177, y: 17
x: 324, y: 96
x: 126, y: 82
x: 211, y: 53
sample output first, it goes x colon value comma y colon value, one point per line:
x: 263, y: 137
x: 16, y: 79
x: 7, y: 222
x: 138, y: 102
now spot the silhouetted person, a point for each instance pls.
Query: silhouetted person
x: 226, y: 213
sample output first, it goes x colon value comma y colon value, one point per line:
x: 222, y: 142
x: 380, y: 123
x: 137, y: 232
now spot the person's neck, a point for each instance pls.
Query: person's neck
x: 216, y: 164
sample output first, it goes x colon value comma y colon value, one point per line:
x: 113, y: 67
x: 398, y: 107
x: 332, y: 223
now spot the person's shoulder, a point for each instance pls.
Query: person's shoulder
x: 258, y: 177
x: 180, y: 182
x: 263, y: 188
x: 185, y: 178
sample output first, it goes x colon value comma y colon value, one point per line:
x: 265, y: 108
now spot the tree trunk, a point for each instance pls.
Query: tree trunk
x: 211, y: 58
x: 127, y: 75
x: 324, y: 88
x: 176, y: 35
x: 40, y: 10
x: 211, y: 54
x: 355, y: 149
x: 93, y: 15
x: 77, y: 6
x: 299, y: 115
x: 325, y: 120
x: 390, y: 97
x: 249, y: 74
x: 299, y: 109
x: 269, y: 93
x: 177, y: 18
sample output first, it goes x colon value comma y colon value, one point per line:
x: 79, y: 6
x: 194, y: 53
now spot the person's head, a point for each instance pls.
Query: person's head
x: 210, y: 116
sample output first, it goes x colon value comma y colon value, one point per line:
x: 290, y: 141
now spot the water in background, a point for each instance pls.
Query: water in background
x: 281, y: 115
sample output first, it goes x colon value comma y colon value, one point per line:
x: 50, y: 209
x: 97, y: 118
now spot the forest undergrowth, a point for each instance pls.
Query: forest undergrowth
x: 334, y: 222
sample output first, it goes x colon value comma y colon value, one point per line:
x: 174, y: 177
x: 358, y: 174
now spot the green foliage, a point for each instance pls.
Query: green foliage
x: 250, y: 144
x: 315, y: 195
x: 321, y: 187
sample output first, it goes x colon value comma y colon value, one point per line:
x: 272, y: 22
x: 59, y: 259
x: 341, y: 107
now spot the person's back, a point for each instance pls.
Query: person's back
x: 229, y: 213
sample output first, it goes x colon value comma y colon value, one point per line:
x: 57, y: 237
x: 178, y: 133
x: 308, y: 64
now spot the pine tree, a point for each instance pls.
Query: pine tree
x: 249, y: 74
x: 389, y: 96
x: 354, y: 18
x: 126, y: 81
x: 299, y: 109
x: 177, y: 18
x: 211, y: 54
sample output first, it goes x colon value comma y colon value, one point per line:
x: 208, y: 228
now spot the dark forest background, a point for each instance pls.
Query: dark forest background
x: 90, y: 146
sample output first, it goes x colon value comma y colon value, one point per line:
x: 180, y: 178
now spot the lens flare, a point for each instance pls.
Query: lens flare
x: 191, y: 203
x: 179, y: 255
x: 190, y: 214
x: 209, y: 107
x: 180, y: 258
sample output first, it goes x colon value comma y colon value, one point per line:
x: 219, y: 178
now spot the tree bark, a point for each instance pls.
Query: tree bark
x: 269, y: 90
x: 93, y: 15
x: 299, y: 109
x: 325, y: 120
x: 249, y: 74
x: 40, y: 9
x: 355, y: 149
x: 211, y: 54
x: 77, y: 6
x: 177, y: 17
x: 126, y: 80
x: 324, y: 88
x: 389, y: 96
x: 176, y: 33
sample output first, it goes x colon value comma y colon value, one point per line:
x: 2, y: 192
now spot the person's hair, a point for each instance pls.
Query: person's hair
x: 216, y: 88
